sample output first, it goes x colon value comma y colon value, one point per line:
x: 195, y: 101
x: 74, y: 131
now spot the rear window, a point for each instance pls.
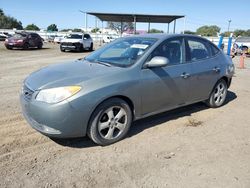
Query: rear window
x: 214, y: 49
x: 197, y: 49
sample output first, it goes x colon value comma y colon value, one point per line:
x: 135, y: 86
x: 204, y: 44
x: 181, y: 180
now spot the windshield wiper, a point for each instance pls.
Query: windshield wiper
x: 104, y: 63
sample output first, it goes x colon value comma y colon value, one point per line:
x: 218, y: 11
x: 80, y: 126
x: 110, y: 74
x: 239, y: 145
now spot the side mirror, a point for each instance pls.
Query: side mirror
x: 157, y: 61
x: 84, y: 38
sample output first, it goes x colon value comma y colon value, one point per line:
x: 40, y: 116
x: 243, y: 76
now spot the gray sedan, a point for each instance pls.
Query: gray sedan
x: 128, y: 79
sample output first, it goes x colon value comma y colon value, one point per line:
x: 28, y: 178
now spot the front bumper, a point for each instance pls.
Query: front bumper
x: 60, y: 120
x: 14, y: 44
x: 71, y: 46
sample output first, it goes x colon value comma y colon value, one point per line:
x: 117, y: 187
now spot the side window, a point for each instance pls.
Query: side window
x: 171, y: 49
x: 86, y: 36
x: 33, y: 35
x: 197, y: 50
x: 214, y: 49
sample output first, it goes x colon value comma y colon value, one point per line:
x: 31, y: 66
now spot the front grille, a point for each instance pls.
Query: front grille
x: 67, y: 44
x: 27, y: 92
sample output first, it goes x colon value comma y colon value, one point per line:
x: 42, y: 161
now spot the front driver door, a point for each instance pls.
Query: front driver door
x: 166, y: 87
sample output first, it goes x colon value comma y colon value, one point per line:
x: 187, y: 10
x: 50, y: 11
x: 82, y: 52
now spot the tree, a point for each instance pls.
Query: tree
x: 190, y: 32
x: 155, y: 31
x: 77, y: 30
x: 32, y: 27
x: 52, y: 27
x: 65, y: 30
x: 208, y: 30
x: 95, y: 30
x: 1, y: 12
x: 239, y: 32
x: 117, y: 26
x: 7, y: 22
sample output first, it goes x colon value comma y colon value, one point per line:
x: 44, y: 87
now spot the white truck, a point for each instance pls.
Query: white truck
x: 77, y: 42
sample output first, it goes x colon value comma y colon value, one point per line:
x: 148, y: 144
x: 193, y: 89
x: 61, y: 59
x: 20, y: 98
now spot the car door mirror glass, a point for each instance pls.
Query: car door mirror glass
x: 157, y: 61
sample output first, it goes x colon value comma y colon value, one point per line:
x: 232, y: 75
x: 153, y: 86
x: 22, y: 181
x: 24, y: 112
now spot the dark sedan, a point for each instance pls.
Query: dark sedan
x: 24, y: 40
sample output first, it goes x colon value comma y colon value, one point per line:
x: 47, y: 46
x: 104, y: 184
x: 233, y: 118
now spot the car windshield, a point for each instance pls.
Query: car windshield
x: 74, y: 36
x: 19, y: 35
x: 123, y: 52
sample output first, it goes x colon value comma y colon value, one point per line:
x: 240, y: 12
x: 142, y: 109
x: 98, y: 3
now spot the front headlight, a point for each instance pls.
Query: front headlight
x: 55, y: 95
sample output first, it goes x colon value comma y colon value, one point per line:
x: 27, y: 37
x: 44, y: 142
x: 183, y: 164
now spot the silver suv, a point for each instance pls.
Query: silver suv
x: 77, y: 42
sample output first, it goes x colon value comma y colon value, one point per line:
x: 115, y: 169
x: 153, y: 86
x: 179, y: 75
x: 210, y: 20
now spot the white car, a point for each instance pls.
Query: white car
x: 107, y: 39
x: 241, y: 44
x: 77, y: 42
x: 58, y: 39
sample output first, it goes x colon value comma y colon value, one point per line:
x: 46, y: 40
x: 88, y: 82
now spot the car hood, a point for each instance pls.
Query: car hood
x: 74, y: 73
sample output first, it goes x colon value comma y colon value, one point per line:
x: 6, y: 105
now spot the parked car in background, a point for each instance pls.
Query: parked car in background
x: 4, y: 35
x: 24, y: 40
x: 241, y: 44
x: 128, y: 79
x: 107, y: 39
x: 77, y: 42
x: 58, y: 39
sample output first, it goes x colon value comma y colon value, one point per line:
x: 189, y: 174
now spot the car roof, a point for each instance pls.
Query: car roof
x: 163, y: 36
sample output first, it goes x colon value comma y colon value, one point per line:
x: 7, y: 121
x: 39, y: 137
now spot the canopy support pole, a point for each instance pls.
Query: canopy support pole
x: 121, y: 27
x: 134, y: 25
x: 174, y: 26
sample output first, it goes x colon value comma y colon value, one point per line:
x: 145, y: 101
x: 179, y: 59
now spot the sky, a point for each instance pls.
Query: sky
x: 66, y: 14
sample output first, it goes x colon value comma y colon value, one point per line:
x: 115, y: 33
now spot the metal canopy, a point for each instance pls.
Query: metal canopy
x: 139, y: 17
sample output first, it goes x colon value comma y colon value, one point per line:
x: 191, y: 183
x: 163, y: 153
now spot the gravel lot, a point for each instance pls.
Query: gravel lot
x: 192, y: 146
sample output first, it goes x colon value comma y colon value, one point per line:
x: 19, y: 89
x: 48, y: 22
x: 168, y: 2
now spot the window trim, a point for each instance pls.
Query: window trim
x: 181, y: 39
x: 204, y: 42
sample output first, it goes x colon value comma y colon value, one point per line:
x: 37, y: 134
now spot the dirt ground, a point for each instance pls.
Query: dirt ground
x: 192, y: 146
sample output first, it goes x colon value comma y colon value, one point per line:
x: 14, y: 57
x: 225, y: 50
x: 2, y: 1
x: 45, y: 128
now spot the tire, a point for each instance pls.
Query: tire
x: 62, y: 49
x: 81, y: 48
x: 110, y: 122
x: 91, y: 47
x: 40, y: 45
x: 9, y: 48
x: 218, y: 95
x: 26, y: 46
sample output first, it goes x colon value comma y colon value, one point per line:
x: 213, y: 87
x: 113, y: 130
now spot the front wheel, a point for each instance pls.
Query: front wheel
x: 91, y: 47
x: 218, y: 95
x: 62, y: 49
x: 9, y: 47
x: 110, y: 122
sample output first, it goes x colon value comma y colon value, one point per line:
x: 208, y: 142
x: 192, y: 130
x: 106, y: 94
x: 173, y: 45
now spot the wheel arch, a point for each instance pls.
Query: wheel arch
x: 226, y: 79
x: 125, y: 98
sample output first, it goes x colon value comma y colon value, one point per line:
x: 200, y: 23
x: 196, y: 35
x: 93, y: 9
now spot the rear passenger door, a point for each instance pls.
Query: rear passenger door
x: 205, y: 67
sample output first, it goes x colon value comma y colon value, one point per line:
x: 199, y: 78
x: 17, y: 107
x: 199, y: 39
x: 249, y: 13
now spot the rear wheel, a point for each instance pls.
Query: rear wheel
x: 40, y: 45
x: 218, y: 95
x: 26, y: 46
x: 110, y: 122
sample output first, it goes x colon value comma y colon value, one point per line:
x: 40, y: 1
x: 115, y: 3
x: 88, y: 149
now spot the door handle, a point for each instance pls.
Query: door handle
x: 185, y: 75
x: 216, y: 69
